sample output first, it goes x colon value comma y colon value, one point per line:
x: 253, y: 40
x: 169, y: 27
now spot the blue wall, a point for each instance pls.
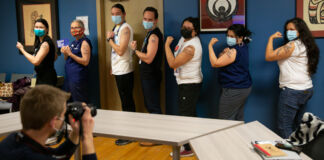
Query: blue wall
x: 263, y: 19
x: 12, y: 62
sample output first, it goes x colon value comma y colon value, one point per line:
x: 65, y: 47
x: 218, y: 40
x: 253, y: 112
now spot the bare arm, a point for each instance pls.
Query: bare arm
x: 41, y: 54
x: 225, y: 58
x: 182, y: 58
x: 152, y: 48
x: 123, y: 42
x: 280, y: 53
x: 85, y: 52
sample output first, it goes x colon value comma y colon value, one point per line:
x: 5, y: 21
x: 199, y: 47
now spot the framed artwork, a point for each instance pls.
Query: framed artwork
x: 218, y: 15
x: 312, y: 12
x: 28, y: 11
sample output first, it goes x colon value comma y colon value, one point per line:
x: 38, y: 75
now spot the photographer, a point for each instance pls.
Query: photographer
x: 42, y: 116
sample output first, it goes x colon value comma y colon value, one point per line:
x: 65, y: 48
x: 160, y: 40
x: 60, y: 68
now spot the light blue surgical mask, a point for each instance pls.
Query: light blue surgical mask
x: 148, y: 25
x: 39, y: 32
x: 231, y: 41
x: 116, y: 19
x: 291, y: 34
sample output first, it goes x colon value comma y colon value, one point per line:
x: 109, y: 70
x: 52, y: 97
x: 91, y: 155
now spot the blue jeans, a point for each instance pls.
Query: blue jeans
x: 291, y: 104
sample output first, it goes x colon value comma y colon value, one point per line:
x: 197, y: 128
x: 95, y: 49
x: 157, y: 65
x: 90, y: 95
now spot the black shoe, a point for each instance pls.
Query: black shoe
x: 121, y: 142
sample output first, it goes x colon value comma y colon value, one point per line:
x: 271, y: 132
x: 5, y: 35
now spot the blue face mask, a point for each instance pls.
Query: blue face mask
x: 231, y: 41
x: 116, y: 19
x: 148, y: 25
x: 291, y: 35
x: 39, y: 32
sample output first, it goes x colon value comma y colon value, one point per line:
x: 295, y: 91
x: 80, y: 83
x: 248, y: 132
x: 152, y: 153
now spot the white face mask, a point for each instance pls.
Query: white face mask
x: 57, y: 135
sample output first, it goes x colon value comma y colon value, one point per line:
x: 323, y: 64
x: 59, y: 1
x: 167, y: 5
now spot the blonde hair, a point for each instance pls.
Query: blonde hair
x: 40, y: 104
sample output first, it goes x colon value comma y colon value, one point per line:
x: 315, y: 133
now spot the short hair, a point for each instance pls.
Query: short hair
x: 79, y: 21
x: 40, y: 104
x: 194, y: 22
x: 152, y: 9
x: 119, y: 6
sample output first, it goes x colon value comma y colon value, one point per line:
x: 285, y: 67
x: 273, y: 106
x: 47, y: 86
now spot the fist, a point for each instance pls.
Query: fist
x: 133, y: 45
x: 65, y: 50
x: 169, y: 40
x: 213, y: 41
x: 110, y: 35
x: 276, y: 35
x: 19, y: 45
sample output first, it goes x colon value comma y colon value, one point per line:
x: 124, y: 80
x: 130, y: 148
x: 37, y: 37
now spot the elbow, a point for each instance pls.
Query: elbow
x: 269, y: 59
x: 149, y: 61
x: 173, y: 66
x: 36, y: 63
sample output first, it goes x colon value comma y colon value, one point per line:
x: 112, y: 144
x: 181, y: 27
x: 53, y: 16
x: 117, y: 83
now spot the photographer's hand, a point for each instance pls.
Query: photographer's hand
x: 75, y: 125
x: 87, y: 137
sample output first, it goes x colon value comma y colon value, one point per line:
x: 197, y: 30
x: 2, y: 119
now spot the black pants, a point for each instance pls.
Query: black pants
x: 187, y: 98
x: 187, y: 101
x: 125, y: 85
x: 151, y: 92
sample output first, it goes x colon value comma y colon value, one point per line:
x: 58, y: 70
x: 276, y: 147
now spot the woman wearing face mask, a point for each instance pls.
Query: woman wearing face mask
x: 44, y: 55
x: 186, y: 63
x: 234, y: 75
x: 297, y: 61
x: 77, y: 57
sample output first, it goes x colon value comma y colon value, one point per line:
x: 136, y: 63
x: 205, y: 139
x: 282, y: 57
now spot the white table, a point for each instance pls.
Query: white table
x: 233, y: 143
x: 155, y: 128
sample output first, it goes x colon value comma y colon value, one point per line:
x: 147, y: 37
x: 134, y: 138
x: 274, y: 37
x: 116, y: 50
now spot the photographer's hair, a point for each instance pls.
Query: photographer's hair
x: 152, y: 9
x: 241, y: 31
x: 44, y: 22
x: 119, y: 6
x: 79, y: 22
x: 194, y: 22
x: 40, y: 104
x: 306, y: 37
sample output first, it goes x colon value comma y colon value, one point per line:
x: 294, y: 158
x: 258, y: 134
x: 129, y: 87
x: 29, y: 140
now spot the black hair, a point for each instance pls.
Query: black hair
x: 119, y: 6
x: 194, y: 22
x: 308, y: 40
x: 44, y: 22
x: 152, y: 9
x: 240, y: 31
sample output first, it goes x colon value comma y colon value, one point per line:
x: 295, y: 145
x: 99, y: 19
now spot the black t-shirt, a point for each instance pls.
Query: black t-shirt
x: 18, y: 146
x: 153, y: 70
x: 46, y: 73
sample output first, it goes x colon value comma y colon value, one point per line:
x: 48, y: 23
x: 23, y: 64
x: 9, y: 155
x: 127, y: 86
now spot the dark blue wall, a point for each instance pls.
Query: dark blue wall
x: 263, y: 19
x: 12, y: 62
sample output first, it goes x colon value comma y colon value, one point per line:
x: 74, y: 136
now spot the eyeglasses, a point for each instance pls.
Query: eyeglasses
x: 75, y: 27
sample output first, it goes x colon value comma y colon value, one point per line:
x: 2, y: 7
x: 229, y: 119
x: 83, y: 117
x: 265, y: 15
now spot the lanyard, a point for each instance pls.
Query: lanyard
x: 146, y: 39
x: 118, y: 28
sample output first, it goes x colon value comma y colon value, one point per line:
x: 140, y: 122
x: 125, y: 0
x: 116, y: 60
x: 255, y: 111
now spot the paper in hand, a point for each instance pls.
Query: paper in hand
x: 62, y: 42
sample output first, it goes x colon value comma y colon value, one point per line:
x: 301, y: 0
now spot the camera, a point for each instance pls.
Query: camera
x: 76, y: 110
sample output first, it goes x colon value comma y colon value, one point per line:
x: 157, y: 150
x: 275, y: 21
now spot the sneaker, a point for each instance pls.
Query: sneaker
x: 121, y: 142
x: 184, y: 153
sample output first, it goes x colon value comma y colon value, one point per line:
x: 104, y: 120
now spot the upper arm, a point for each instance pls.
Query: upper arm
x: 124, y: 40
x: 184, y: 57
x: 152, y: 47
x: 226, y: 58
x: 86, y: 52
x: 41, y: 54
x: 282, y: 52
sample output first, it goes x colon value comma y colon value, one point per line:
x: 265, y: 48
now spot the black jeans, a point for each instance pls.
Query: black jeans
x: 125, y: 85
x: 187, y: 101
x: 151, y: 92
x: 187, y: 98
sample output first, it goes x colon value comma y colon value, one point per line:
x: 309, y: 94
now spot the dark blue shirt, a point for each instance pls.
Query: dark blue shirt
x: 74, y: 71
x: 237, y: 74
x: 19, y: 146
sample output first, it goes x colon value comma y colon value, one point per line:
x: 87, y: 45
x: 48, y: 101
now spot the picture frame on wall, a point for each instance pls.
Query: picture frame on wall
x: 312, y: 12
x: 28, y: 11
x: 218, y: 15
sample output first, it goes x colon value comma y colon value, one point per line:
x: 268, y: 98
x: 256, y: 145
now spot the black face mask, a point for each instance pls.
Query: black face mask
x: 186, y: 33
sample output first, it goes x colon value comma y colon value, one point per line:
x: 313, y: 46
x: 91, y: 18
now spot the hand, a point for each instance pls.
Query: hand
x: 133, y: 45
x: 213, y: 41
x: 66, y: 50
x: 19, y: 46
x: 110, y: 35
x: 169, y: 40
x: 276, y: 35
x: 87, y: 122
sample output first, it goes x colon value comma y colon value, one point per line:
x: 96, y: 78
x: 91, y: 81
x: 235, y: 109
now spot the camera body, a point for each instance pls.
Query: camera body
x: 76, y: 110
